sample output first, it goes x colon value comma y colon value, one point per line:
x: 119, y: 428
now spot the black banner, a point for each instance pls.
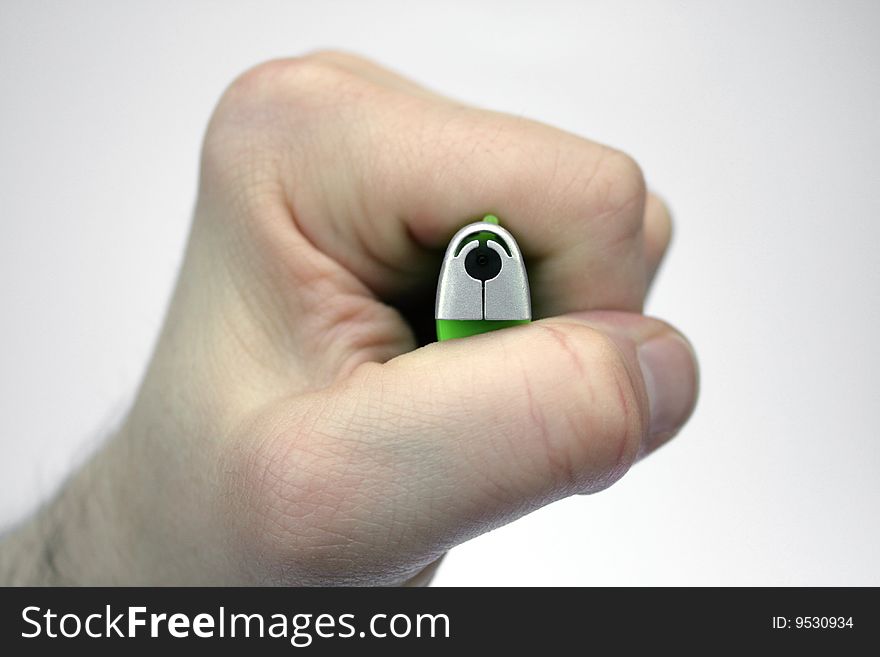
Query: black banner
x: 433, y: 621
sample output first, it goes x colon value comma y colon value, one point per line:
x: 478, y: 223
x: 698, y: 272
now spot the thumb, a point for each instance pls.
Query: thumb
x: 485, y: 429
x: 390, y: 467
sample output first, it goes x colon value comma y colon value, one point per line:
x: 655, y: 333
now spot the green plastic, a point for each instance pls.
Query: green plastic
x: 448, y: 329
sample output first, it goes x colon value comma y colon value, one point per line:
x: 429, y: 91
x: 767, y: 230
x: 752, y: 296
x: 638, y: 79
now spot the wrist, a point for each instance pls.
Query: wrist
x: 74, y: 539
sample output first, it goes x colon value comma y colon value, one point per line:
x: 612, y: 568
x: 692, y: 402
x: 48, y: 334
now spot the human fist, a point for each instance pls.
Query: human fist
x: 291, y: 430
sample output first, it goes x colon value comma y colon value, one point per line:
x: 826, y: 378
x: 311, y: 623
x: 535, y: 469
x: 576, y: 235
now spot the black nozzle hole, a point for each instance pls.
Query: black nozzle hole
x: 482, y: 263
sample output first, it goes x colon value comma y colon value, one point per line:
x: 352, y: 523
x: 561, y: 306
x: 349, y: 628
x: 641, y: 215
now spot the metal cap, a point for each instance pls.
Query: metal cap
x: 483, y: 281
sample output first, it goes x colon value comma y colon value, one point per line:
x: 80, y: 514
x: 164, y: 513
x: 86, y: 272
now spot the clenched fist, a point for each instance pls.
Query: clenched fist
x: 294, y: 425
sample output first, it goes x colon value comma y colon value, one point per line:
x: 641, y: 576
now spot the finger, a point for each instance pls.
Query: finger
x: 370, y: 70
x: 658, y: 233
x: 378, y: 179
x: 453, y: 439
x: 575, y: 207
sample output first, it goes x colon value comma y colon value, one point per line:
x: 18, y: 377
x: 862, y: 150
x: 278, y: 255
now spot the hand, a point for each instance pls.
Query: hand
x: 289, y: 430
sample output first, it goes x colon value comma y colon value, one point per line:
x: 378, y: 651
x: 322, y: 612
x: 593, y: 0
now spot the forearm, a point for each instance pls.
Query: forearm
x: 73, y: 539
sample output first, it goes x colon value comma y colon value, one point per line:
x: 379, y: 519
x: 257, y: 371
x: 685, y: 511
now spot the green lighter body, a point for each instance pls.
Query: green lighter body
x: 483, y: 284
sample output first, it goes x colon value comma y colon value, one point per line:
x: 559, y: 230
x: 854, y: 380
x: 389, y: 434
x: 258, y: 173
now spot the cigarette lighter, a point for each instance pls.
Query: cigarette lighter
x: 483, y: 284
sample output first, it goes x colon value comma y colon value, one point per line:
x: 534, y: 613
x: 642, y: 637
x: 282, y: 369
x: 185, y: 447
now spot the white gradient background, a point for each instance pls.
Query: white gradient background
x: 758, y: 121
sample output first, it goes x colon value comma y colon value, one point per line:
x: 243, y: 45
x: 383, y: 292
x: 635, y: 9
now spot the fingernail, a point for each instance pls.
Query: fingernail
x: 670, y: 373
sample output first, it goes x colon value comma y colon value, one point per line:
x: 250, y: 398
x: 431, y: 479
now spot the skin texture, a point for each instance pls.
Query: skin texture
x: 290, y: 429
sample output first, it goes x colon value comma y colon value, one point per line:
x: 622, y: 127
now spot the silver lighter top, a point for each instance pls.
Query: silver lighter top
x: 483, y: 276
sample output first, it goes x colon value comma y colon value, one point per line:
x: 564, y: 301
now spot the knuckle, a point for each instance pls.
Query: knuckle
x: 621, y: 192
x: 623, y: 419
x: 262, y: 115
x: 277, y: 108
x: 602, y: 425
x: 333, y: 57
x: 282, y: 79
x: 659, y: 207
x: 312, y: 81
x: 658, y: 218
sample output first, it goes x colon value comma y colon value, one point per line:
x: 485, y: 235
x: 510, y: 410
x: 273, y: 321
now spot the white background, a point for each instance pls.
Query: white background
x: 758, y: 121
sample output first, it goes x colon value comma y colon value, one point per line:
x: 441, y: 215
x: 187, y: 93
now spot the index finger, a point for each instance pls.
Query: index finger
x: 379, y: 177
